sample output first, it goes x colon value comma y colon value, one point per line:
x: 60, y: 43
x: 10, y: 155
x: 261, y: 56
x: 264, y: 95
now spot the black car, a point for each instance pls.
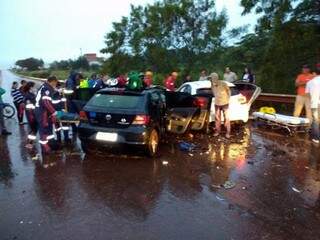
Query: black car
x: 140, y: 118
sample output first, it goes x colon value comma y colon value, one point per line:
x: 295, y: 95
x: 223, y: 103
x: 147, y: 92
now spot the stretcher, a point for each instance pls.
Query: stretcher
x: 69, y: 118
x: 289, y: 123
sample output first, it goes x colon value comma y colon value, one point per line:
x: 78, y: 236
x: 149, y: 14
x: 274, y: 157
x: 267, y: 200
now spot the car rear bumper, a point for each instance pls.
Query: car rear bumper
x: 133, y: 135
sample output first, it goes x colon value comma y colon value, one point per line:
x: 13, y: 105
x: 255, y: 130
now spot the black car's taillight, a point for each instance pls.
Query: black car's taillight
x: 141, y: 120
x: 200, y: 102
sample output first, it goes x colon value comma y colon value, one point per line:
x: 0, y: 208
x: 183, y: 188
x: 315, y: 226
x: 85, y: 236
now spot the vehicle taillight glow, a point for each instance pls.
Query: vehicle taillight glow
x: 141, y: 120
x: 200, y: 102
x: 83, y: 116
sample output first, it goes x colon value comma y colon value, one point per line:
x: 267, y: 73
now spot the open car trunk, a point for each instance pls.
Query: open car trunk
x: 186, y: 112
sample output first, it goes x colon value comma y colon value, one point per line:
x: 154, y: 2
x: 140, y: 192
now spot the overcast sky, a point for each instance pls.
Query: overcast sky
x: 57, y: 29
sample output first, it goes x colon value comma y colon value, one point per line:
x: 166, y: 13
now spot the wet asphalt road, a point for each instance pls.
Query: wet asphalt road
x: 108, y: 195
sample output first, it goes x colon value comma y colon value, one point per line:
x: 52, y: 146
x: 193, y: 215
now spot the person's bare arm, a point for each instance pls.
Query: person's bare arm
x: 212, y: 87
x: 228, y: 90
x: 299, y: 83
x: 235, y: 77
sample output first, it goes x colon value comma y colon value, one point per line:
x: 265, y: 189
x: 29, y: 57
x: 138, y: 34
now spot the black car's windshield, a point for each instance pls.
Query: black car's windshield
x: 111, y: 101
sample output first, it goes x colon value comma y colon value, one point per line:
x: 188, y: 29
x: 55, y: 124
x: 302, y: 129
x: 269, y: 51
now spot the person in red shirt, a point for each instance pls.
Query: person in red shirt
x: 122, y: 81
x: 302, y: 99
x: 170, y: 81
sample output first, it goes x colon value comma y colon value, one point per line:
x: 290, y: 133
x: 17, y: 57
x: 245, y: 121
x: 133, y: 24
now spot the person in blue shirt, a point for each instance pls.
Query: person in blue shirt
x: 92, y: 81
x: 30, y: 101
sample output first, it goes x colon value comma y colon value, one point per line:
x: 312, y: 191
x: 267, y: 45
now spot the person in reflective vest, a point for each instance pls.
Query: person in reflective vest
x: 46, y: 114
x: 30, y: 101
x: 59, y: 103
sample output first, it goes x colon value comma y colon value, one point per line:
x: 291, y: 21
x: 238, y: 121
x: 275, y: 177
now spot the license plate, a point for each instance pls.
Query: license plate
x: 109, y: 137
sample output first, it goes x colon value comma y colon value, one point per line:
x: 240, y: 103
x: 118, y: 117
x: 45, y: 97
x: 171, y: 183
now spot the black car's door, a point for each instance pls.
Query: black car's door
x: 157, y: 110
x: 185, y: 112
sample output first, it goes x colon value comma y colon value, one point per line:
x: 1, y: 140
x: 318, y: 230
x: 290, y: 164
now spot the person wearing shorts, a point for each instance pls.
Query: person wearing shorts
x: 221, y: 93
x: 302, y: 98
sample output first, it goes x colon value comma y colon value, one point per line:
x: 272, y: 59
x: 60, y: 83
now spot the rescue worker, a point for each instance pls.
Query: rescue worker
x: 46, y: 114
x: 84, y: 83
x: 30, y: 101
x: 70, y: 93
x: 148, y: 79
x: 59, y: 102
x: 170, y: 81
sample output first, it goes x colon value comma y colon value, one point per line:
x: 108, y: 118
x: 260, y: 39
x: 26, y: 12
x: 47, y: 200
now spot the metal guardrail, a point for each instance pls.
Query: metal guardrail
x: 280, y: 98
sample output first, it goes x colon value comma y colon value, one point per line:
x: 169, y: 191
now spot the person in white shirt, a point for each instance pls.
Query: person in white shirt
x: 313, y: 89
x: 203, y: 75
x: 229, y: 76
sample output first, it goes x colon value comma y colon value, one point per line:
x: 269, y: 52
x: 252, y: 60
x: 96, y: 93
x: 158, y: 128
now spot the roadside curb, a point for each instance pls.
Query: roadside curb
x: 33, y: 78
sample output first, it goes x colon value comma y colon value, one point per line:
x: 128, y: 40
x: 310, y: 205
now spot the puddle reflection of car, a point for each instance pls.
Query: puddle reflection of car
x: 242, y: 96
x: 116, y: 116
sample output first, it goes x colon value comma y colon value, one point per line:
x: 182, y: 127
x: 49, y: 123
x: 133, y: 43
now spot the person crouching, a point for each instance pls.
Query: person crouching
x: 59, y: 103
x: 221, y: 93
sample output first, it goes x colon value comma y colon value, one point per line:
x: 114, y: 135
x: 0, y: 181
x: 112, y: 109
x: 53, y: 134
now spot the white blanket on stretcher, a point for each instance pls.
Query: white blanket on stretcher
x: 280, y: 118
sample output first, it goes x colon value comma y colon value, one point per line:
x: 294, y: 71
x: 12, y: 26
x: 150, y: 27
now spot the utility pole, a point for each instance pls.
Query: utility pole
x: 80, y: 52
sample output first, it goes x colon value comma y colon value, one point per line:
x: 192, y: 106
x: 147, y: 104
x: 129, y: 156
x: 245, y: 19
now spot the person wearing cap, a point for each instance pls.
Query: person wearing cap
x: 313, y: 89
x: 302, y: 99
x: 222, y: 94
x: 170, y: 82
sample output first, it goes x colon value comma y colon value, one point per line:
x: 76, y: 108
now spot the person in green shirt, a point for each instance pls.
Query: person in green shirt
x: 3, y: 130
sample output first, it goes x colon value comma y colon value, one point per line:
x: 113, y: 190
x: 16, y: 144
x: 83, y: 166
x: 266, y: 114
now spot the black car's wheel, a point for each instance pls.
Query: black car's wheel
x: 153, y: 143
x: 8, y: 111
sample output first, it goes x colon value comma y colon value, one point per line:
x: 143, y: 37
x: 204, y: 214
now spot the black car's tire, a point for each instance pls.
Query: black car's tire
x: 153, y: 143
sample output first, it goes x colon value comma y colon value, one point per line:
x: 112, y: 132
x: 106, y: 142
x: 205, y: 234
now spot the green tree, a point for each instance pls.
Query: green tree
x: 31, y: 64
x: 80, y: 63
x: 164, y: 36
x: 292, y: 30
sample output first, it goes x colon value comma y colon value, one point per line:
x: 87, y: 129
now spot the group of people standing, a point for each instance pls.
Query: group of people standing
x: 228, y: 76
x: 41, y: 107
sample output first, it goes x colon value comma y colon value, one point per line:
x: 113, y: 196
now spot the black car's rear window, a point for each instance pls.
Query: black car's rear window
x: 112, y: 101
